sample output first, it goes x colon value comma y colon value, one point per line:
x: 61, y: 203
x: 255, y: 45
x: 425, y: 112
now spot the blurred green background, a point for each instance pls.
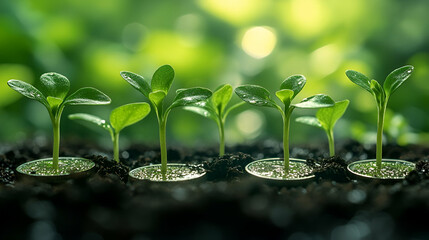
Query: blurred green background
x: 210, y: 42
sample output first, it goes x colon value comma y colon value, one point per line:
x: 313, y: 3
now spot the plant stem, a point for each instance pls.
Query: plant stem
x: 331, y: 142
x: 286, y: 123
x: 116, y: 147
x: 379, y: 146
x: 221, y: 137
x: 163, y: 145
x: 56, y: 143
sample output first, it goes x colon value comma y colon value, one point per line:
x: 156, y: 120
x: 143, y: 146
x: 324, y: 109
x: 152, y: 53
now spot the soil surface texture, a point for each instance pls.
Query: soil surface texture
x: 227, y: 204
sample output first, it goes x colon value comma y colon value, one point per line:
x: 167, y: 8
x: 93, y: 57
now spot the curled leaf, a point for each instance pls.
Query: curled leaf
x: 221, y: 97
x: 157, y: 97
x: 286, y: 96
x: 378, y: 92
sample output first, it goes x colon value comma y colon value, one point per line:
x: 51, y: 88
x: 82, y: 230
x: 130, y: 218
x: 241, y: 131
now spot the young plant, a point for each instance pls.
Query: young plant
x: 216, y: 109
x: 156, y: 93
x: 326, y: 119
x: 381, y: 95
x: 120, y: 118
x: 53, y: 95
x: 291, y: 86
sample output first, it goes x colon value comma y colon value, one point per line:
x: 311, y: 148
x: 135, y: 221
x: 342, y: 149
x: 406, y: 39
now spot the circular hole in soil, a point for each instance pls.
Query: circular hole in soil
x: 390, y: 169
x: 66, y: 166
x: 175, y: 172
x: 273, y: 169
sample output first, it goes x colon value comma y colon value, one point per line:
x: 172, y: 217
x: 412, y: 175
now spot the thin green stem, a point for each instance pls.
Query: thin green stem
x: 56, y: 143
x: 56, y: 119
x: 163, y: 145
x: 331, y: 142
x: 286, y: 125
x: 379, y: 146
x: 116, y: 147
x: 221, y: 137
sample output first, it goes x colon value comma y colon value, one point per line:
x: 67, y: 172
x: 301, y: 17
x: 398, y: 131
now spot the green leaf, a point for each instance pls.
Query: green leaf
x: 162, y: 79
x: 54, y: 102
x: 294, y: 83
x: 312, y: 121
x: 286, y: 96
x: 55, y: 85
x: 255, y: 95
x: 29, y: 91
x: 316, y: 101
x: 128, y: 114
x: 92, y: 119
x: 221, y: 97
x: 359, y: 79
x: 137, y: 82
x: 329, y: 116
x: 395, y: 79
x: 186, y: 97
x: 202, y: 108
x: 378, y: 92
x: 87, y: 96
x: 156, y: 97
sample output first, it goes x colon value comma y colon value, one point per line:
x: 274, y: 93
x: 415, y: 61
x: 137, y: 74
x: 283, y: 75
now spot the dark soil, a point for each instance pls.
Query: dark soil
x: 227, y: 204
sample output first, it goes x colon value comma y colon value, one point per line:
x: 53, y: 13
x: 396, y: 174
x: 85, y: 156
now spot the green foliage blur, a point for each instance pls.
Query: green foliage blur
x: 211, y: 42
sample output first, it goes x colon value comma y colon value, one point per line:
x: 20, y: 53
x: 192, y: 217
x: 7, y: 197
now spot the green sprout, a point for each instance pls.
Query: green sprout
x: 326, y: 119
x: 216, y: 109
x: 156, y: 93
x: 381, y: 95
x: 120, y: 118
x: 53, y: 95
x: 291, y: 86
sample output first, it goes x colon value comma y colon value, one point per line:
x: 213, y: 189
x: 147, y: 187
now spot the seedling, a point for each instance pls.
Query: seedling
x: 326, y: 119
x: 259, y: 96
x: 53, y: 95
x: 120, y: 118
x: 381, y: 95
x: 156, y: 93
x: 215, y: 108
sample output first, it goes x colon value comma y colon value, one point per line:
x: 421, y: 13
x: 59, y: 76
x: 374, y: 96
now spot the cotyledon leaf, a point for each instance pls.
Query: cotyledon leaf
x: 316, y: 101
x: 28, y: 91
x: 128, y: 114
x: 87, y: 96
x: 396, y: 78
x: 255, y: 95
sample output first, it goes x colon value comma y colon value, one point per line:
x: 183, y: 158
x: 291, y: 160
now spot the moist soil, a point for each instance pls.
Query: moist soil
x: 227, y: 204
